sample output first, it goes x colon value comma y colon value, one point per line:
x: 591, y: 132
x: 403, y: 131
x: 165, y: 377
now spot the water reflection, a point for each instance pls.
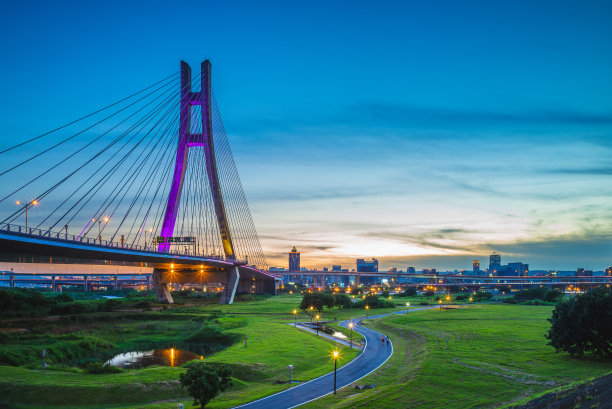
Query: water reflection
x: 161, y: 357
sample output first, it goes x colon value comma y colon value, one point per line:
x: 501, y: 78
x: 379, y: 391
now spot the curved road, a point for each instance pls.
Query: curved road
x: 374, y: 354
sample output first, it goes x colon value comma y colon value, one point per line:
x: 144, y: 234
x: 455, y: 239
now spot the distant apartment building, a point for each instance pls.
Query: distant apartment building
x: 393, y: 270
x: 518, y: 269
x: 476, y: 267
x: 411, y: 270
x: 294, y: 260
x: 336, y: 268
x: 494, y: 263
x: 609, y: 271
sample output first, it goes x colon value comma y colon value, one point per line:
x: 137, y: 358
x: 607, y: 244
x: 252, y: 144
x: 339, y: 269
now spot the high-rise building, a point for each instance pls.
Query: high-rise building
x: 336, y: 268
x: 609, y: 271
x: 476, y: 267
x: 294, y: 260
x: 494, y: 263
x: 410, y: 270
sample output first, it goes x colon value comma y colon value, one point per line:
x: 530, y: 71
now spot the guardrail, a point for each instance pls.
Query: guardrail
x: 65, y: 237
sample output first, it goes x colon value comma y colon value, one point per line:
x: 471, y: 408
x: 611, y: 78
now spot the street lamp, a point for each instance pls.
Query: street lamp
x: 311, y: 312
x: 101, y: 219
x: 146, y: 241
x: 440, y: 304
x: 317, y: 323
x: 351, y: 325
x: 335, y: 353
x: 294, y: 317
x: 407, y: 304
x: 27, y: 206
x: 367, y: 307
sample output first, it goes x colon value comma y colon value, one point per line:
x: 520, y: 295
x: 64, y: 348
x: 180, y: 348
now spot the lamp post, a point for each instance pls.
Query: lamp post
x: 317, y: 323
x: 367, y: 308
x: 100, y: 220
x: 440, y: 304
x: 294, y: 317
x: 351, y: 325
x: 27, y: 206
x: 146, y: 241
x: 311, y: 312
x: 336, y: 353
x: 290, y: 372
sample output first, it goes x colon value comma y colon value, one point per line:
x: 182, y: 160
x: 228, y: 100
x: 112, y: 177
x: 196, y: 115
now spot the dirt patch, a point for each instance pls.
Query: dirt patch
x: 589, y: 395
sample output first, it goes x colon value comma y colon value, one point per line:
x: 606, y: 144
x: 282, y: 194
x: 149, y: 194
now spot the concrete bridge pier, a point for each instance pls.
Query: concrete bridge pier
x: 85, y: 284
x: 148, y: 283
x: 231, y: 286
x: 12, y: 281
x: 115, y: 284
x: 163, y: 292
x: 53, y: 284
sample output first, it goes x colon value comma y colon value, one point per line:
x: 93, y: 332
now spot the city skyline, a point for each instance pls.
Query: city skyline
x: 424, y: 140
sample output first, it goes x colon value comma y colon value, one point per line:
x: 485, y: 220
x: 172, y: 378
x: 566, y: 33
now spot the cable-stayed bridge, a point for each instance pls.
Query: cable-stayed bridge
x: 147, y: 181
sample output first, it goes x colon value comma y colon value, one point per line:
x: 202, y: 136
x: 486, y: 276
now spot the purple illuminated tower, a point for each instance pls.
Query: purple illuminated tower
x: 187, y: 140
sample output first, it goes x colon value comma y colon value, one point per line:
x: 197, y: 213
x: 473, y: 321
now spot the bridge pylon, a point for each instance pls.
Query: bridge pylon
x: 187, y: 140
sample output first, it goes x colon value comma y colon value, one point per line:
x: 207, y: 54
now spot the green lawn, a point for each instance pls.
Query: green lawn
x: 272, y: 345
x: 484, y: 356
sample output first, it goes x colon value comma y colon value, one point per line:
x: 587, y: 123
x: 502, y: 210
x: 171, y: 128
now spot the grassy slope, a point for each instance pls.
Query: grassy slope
x: 485, y: 356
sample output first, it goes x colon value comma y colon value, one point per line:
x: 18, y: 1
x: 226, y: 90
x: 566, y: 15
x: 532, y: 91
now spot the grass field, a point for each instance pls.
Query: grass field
x: 488, y: 355
x: 272, y: 345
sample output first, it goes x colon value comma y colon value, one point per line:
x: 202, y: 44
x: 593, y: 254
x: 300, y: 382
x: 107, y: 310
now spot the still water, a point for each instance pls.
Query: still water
x: 161, y: 357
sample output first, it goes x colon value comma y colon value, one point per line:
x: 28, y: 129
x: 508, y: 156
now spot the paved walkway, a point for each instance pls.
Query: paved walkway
x: 375, y: 353
x: 355, y: 344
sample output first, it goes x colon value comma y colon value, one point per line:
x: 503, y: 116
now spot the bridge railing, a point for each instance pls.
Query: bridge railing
x: 65, y: 237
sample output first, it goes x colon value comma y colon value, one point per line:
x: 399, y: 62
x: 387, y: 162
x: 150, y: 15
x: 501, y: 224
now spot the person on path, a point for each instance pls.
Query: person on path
x: 382, y: 339
x: 387, y: 341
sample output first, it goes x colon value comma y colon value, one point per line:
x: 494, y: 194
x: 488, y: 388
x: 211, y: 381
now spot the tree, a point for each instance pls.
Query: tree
x: 205, y: 380
x: 342, y: 301
x: 317, y: 300
x: 410, y: 292
x: 583, y: 324
x: 504, y: 289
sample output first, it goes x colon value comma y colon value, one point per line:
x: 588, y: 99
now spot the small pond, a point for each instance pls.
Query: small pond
x: 161, y: 357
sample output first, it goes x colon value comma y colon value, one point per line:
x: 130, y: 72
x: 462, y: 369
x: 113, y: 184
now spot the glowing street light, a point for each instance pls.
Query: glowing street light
x: 311, y: 312
x: 294, y: 317
x: 440, y: 304
x: 367, y: 308
x: 101, y: 219
x: 351, y: 325
x: 27, y: 206
x: 317, y: 323
x: 335, y: 354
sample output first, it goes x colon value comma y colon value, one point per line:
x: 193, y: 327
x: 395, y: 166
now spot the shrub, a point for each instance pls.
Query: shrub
x: 410, y: 292
x: 583, y: 324
x: 69, y: 308
x: 212, y: 335
x: 429, y: 293
x: 504, y: 289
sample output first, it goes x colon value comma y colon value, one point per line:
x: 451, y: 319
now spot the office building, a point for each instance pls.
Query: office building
x: 494, y: 263
x: 294, y: 260
x: 364, y: 266
x: 411, y: 270
x: 476, y: 267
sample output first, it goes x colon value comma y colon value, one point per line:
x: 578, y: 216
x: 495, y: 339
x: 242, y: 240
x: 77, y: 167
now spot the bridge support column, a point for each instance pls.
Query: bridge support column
x: 230, y: 286
x: 322, y: 282
x: 148, y: 283
x: 53, y: 285
x: 85, y: 284
x: 12, y: 281
x: 163, y: 292
x: 116, y: 284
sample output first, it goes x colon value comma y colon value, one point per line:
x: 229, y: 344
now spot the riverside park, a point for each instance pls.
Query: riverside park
x: 128, y: 351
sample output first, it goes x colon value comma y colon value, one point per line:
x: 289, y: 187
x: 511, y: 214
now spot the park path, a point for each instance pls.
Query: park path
x: 375, y: 353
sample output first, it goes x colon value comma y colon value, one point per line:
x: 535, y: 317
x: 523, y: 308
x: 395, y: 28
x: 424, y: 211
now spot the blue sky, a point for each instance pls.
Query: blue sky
x: 421, y: 133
